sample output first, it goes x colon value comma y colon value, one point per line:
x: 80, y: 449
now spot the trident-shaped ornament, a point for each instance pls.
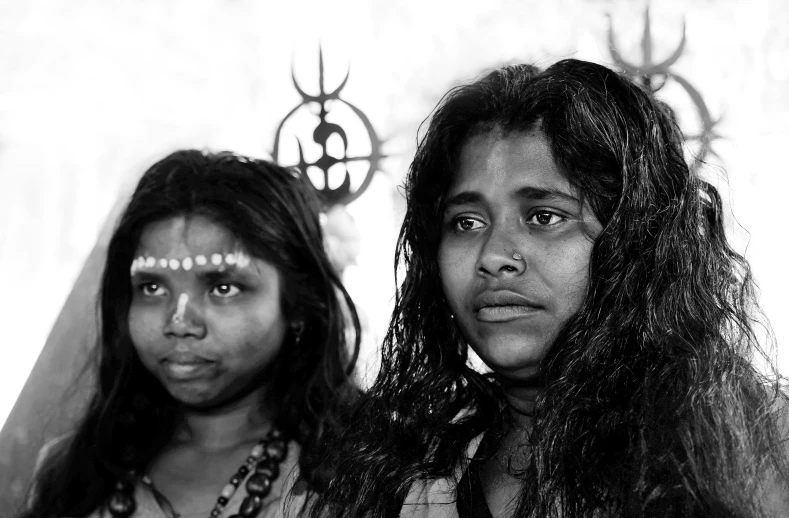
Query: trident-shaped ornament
x: 321, y: 134
x: 649, y: 71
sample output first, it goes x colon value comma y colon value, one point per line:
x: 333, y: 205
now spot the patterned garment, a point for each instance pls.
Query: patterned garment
x: 275, y: 505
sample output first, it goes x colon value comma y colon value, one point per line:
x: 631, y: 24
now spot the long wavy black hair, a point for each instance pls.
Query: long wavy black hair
x: 274, y: 212
x: 651, y: 404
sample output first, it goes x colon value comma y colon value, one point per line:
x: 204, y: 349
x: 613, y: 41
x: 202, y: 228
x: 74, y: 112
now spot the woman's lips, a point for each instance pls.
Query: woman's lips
x: 495, y: 314
x: 185, y: 371
x: 183, y: 367
x: 503, y: 306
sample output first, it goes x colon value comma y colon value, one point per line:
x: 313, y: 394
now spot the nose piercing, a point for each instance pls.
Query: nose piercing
x: 178, y: 316
x: 517, y: 256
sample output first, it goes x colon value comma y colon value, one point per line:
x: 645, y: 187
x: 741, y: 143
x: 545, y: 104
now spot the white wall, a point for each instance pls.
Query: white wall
x: 93, y: 91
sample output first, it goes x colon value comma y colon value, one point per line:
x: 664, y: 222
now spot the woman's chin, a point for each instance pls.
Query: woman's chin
x: 511, y: 360
x: 193, y: 398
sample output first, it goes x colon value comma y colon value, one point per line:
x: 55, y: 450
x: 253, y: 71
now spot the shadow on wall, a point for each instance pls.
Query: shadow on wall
x: 60, y: 383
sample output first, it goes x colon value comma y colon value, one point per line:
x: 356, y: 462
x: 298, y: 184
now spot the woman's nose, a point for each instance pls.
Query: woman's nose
x: 184, y: 319
x: 500, y: 254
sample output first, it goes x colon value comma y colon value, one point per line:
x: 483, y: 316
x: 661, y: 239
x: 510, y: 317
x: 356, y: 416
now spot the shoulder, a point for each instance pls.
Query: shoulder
x: 295, y: 499
x: 281, y: 502
x: 50, y: 450
x: 775, y: 499
x: 47, y: 452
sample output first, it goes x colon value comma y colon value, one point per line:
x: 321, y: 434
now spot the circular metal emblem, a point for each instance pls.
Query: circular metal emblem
x: 332, y: 162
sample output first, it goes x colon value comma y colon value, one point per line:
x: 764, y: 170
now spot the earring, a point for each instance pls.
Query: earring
x: 298, y: 329
x: 517, y: 256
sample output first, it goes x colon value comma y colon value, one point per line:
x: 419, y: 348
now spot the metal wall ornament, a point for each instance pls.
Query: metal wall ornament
x: 324, y: 129
x: 655, y: 76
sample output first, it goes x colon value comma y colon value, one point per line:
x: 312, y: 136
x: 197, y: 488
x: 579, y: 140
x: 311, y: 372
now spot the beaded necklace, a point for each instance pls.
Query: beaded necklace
x: 264, y: 460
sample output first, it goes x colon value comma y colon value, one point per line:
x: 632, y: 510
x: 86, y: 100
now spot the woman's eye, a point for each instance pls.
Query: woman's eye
x: 152, y: 289
x: 465, y: 224
x: 545, y: 219
x: 225, y: 290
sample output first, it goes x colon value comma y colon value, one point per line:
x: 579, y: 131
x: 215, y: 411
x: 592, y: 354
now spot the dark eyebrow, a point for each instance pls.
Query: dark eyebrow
x: 529, y: 193
x: 147, y: 275
x: 216, y: 276
x: 463, y: 198
x: 206, y: 276
x: 537, y: 193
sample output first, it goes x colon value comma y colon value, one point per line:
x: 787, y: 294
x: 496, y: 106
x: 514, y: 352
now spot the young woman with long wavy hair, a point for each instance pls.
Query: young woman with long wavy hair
x: 226, y: 347
x: 554, y: 227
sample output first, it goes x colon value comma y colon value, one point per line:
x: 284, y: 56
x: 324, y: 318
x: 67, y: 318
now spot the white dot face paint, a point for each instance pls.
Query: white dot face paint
x: 180, y: 309
x: 243, y: 260
x: 238, y: 259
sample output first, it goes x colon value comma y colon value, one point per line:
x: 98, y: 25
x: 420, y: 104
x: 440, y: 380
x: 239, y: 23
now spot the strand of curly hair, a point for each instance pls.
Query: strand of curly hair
x: 651, y: 405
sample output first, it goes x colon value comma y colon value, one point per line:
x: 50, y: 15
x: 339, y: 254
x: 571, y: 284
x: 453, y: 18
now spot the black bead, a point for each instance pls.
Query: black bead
x: 221, y: 500
x: 275, y: 433
x: 235, y: 481
x: 258, y: 485
x: 300, y: 487
x: 125, y: 485
x: 215, y: 513
x: 250, y: 506
x: 269, y: 468
x: 243, y: 470
x: 121, y: 505
x: 277, y: 449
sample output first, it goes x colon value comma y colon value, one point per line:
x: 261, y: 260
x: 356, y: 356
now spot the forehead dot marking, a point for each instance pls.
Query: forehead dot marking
x: 174, y: 264
x: 230, y: 259
x: 149, y: 262
x: 200, y: 260
x: 186, y: 264
x: 162, y: 263
x: 243, y: 260
x: 216, y: 259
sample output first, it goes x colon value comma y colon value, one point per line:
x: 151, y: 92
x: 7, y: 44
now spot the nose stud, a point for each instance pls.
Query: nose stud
x: 517, y: 256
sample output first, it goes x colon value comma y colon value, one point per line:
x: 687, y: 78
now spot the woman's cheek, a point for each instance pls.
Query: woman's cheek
x: 142, y: 328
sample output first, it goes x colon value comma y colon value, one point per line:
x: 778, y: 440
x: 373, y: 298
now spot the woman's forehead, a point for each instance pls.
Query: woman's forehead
x: 512, y: 160
x: 183, y: 236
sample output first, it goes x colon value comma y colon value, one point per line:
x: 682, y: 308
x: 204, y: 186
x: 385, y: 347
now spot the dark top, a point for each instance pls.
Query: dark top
x: 471, y: 501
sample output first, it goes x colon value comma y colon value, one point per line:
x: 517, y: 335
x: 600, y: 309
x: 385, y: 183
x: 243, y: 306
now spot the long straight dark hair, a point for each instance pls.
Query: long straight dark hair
x: 652, y: 405
x: 274, y: 212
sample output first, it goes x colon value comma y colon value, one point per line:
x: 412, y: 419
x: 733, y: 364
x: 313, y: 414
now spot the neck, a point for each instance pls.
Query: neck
x: 521, y: 396
x: 228, y: 426
x: 512, y: 445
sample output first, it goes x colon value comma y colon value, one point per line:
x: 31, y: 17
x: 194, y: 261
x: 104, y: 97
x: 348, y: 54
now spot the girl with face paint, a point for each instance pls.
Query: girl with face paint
x: 554, y: 227
x: 225, y: 353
